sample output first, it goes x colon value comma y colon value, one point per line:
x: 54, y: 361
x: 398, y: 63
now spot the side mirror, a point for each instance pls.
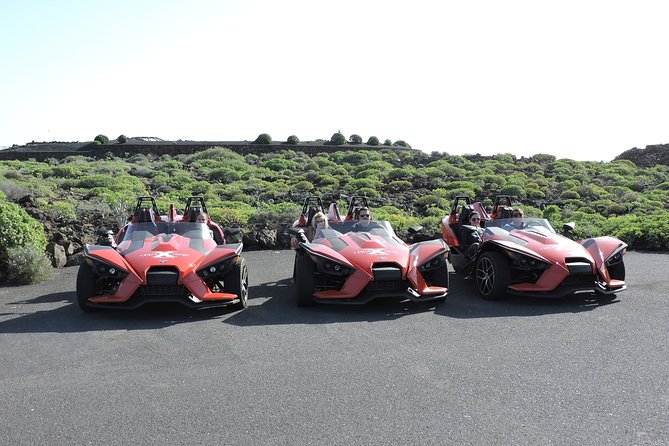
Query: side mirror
x: 103, y: 232
x: 105, y: 237
x: 299, y: 234
x: 415, y: 229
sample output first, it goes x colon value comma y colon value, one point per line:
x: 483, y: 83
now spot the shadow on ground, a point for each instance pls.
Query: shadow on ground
x: 273, y: 303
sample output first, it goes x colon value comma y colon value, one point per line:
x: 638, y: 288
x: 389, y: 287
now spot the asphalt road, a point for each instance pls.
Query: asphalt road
x: 519, y: 371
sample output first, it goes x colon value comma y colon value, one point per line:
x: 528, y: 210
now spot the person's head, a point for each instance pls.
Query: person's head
x: 320, y: 221
x: 517, y: 213
x: 365, y: 215
x: 201, y: 218
x: 475, y: 219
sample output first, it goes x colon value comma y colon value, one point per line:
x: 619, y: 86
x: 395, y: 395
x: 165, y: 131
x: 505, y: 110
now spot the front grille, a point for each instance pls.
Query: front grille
x: 388, y: 285
x: 579, y: 280
x: 162, y: 290
x: 162, y: 275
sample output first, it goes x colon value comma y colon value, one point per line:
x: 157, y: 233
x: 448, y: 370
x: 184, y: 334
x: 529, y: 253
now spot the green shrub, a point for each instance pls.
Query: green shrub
x: 400, y: 143
x: 60, y: 210
x: 18, y: 229
x: 122, y: 139
x: 292, y: 139
x: 263, y: 138
x: 373, y: 141
x: 387, y: 142
x: 570, y: 195
x: 355, y: 139
x: 101, y: 139
x: 27, y: 264
x: 338, y: 139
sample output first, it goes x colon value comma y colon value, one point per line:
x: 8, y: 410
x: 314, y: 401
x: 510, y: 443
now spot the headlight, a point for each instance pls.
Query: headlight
x: 104, y: 269
x: 329, y: 266
x: 220, y: 268
x: 434, y: 262
x: 617, y: 256
x: 527, y: 262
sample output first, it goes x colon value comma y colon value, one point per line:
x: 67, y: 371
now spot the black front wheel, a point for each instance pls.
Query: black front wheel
x: 492, y: 275
x: 85, y: 287
x: 304, y: 281
x: 237, y: 282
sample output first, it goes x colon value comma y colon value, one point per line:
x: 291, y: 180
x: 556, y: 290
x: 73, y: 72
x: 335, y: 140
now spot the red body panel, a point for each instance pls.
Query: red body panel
x: 535, y: 239
x: 363, y: 251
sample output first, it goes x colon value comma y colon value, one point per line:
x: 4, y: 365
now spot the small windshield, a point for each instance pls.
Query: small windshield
x: 529, y: 224
x: 382, y: 228
x: 141, y: 231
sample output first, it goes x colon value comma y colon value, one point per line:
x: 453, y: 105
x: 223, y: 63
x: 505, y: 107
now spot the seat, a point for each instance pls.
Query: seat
x: 463, y: 219
x: 145, y: 215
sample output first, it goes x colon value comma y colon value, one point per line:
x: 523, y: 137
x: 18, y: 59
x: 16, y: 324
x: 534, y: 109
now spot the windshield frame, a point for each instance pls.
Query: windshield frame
x: 192, y: 230
x: 528, y: 223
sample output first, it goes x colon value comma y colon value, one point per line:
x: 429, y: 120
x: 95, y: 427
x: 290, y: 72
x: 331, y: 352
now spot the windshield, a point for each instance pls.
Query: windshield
x: 528, y: 224
x: 141, y: 231
x: 377, y: 227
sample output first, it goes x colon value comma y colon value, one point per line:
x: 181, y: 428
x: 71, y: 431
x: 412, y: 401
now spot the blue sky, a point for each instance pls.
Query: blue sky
x: 585, y: 80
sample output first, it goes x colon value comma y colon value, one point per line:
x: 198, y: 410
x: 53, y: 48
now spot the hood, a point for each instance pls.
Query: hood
x: 364, y: 250
x: 165, y: 250
x: 552, y: 246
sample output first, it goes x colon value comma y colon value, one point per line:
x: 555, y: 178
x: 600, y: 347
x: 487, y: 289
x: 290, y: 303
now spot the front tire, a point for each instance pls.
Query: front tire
x: 85, y: 287
x: 237, y: 282
x: 492, y: 275
x: 304, y: 281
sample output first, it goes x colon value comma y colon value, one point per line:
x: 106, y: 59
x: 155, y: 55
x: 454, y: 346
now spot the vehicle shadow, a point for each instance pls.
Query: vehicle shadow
x: 273, y: 303
x: 70, y: 319
x: 464, y: 303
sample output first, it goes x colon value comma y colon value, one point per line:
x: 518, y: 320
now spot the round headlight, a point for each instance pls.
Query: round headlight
x: 212, y: 269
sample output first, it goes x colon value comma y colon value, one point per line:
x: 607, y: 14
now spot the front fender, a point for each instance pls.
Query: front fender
x: 511, y: 246
x: 108, y: 255
x: 221, y: 252
x: 324, y: 251
x: 601, y: 248
x: 424, y: 251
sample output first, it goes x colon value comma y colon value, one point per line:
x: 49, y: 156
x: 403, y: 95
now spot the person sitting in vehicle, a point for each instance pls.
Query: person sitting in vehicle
x: 203, y: 218
x: 470, y: 235
x: 318, y: 222
x: 516, y: 221
x: 365, y: 222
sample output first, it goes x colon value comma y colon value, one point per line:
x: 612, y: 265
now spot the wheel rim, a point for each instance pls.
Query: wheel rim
x: 485, y: 276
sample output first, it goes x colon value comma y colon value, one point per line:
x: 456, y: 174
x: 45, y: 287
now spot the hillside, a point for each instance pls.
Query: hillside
x: 260, y: 188
x: 648, y: 157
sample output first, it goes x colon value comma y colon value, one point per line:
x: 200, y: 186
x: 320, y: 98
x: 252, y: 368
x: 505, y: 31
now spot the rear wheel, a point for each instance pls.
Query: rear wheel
x: 85, y: 287
x: 304, y: 281
x: 237, y: 282
x: 492, y: 275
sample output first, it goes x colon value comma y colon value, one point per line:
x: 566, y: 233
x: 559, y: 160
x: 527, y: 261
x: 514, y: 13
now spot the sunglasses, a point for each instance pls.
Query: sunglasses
x: 364, y: 215
x: 517, y: 215
x: 474, y: 219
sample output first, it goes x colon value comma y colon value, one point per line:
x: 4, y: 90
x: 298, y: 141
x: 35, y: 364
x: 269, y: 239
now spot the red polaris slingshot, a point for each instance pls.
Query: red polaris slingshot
x: 164, y: 258
x: 525, y: 256
x: 354, y: 262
